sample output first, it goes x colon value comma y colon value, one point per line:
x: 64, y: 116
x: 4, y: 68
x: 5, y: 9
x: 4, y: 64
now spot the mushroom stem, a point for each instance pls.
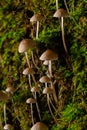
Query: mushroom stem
x: 29, y: 78
x: 66, y: 6
x: 32, y: 113
x: 63, y: 38
x: 50, y: 109
x: 56, y: 4
x: 46, y: 84
x: 50, y: 68
x: 34, y: 61
x: 33, y: 78
x: 5, y: 113
x: 37, y: 30
x: 38, y: 110
x: 52, y: 104
x: 54, y: 93
x: 26, y: 55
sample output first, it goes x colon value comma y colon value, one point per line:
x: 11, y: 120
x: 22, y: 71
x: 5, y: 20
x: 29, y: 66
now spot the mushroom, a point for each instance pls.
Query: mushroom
x: 10, y: 90
x: 47, y: 91
x: 31, y: 101
x: 8, y: 127
x: 4, y: 97
x: 45, y: 79
x: 39, y: 126
x: 60, y: 13
x: 24, y: 45
x: 50, y: 56
x: 36, y: 18
x: 30, y: 72
x: 35, y: 90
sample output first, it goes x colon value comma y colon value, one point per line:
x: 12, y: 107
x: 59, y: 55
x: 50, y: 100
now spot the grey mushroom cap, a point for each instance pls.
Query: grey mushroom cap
x: 3, y: 96
x: 36, y: 17
x: 30, y: 100
x: 47, y: 90
x: 28, y: 71
x: 8, y: 127
x: 48, y: 55
x: 26, y: 44
x: 39, y: 126
x: 61, y: 13
x: 44, y: 79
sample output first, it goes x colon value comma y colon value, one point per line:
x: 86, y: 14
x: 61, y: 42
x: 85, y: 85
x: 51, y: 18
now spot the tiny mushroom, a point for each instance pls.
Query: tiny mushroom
x: 35, y: 90
x: 48, y: 91
x: 8, y: 127
x: 39, y: 126
x: 10, y: 90
x: 24, y: 45
x: 36, y: 18
x: 31, y: 101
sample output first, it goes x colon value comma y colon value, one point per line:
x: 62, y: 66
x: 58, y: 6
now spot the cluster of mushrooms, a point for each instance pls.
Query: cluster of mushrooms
x: 34, y: 86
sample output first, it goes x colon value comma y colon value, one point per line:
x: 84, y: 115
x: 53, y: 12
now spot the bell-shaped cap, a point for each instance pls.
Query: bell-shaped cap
x: 47, y: 90
x: 28, y: 71
x: 39, y: 126
x: 36, y: 17
x: 3, y: 96
x: 35, y: 89
x: 26, y: 44
x: 44, y: 79
x: 8, y: 127
x: 49, y: 55
x: 61, y: 13
x: 30, y: 100
x: 10, y: 90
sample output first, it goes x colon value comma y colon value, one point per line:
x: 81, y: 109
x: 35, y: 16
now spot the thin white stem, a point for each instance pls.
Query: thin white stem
x: 37, y: 31
x: 51, y: 109
x: 54, y: 92
x: 52, y: 104
x: 33, y: 78
x: 46, y: 84
x: 28, y: 62
x: 38, y: 110
x: 32, y: 114
x: 66, y: 6
x: 57, y: 5
x: 34, y: 61
x: 63, y: 38
x: 5, y: 113
x: 50, y: 68
x: 29, y: 79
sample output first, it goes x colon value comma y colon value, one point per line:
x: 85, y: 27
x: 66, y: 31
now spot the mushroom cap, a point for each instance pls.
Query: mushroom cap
x: 28, y: 71
x: 61, y: 13
x: 8, y: 127
x: 36, y: 17
x: 47, y: 90
x: 46, y: 62
x: 3, y: 96
x: 44, y: 79
x: 49, y: 55
x: 30, y: 100
x: 35, y: 89
x: 39, y: 126
x: 26, y: 44
x: 10, y: 90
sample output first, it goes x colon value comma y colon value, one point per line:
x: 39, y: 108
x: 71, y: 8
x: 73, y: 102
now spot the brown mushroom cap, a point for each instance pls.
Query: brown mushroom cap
x: 47, y: 90
x: 8, y: 127
x: 49, y: 55
x: 3, y: 96
x: 35, y: 89
x: 36, y: 17
x: 28, y: 71
x: 30, y: 100
x: 25, y: 44
x: 10, y: 90
x: 44, y: 79
x: 61, y: 13
x: 39, y: 126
